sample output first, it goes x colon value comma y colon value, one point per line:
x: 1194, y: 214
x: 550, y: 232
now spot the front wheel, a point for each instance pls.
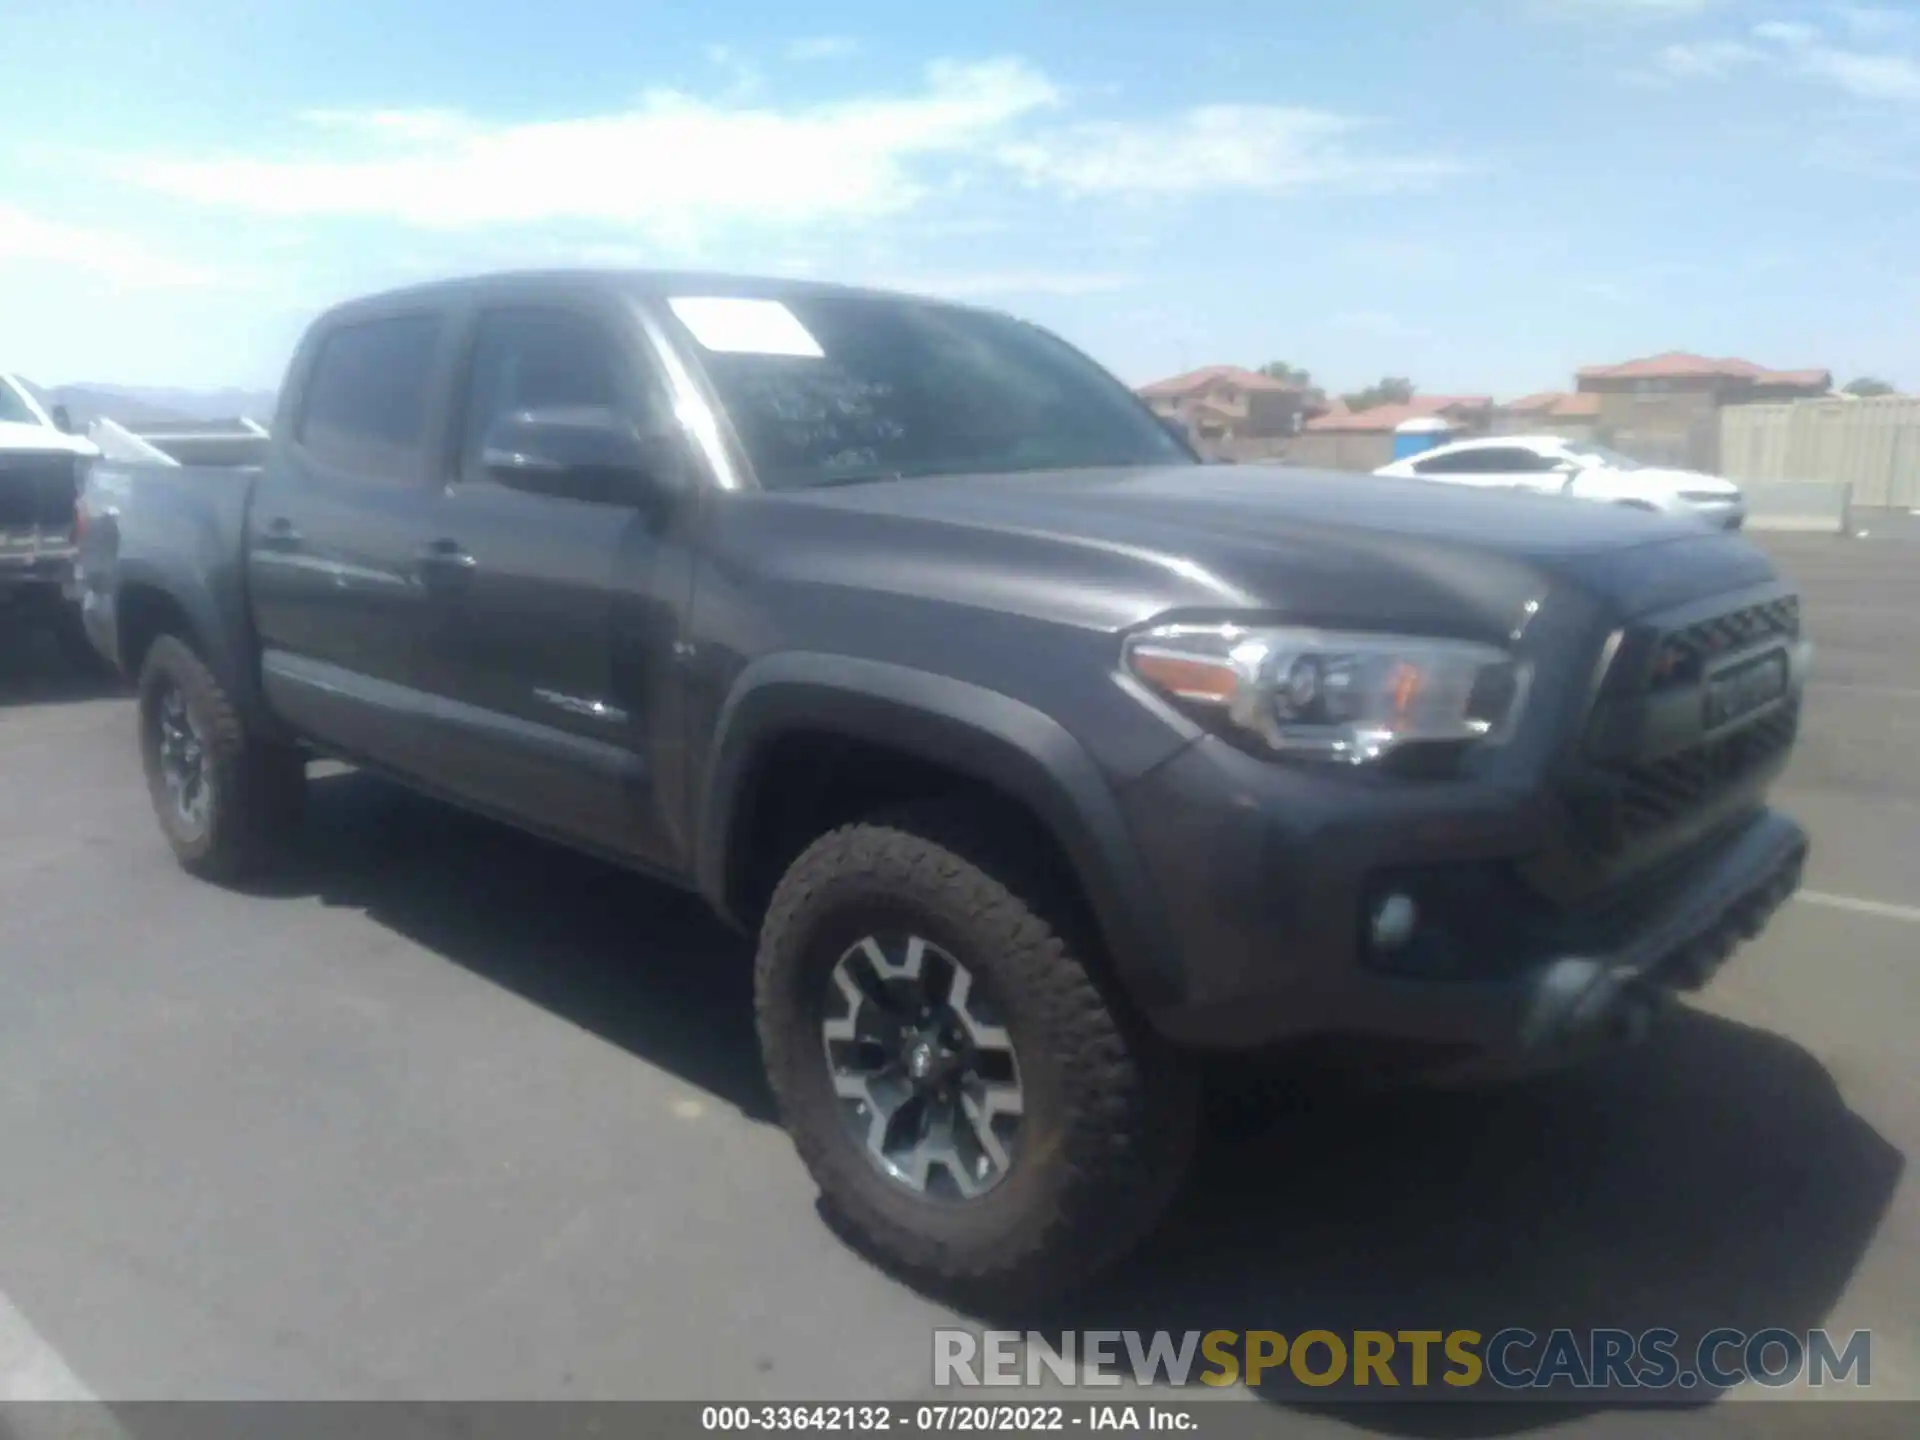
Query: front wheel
x: 227, y: 801
x: 981, y: 1115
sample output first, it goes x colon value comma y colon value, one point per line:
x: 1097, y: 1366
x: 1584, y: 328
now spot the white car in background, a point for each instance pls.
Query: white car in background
x: 1553, y: 465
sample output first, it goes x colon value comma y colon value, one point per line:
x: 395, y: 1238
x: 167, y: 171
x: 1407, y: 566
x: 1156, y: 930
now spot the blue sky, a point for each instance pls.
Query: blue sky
x: 1481, y: 194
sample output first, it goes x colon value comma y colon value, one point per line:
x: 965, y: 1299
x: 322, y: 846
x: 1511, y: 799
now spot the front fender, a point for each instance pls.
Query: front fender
x: 990, y: 737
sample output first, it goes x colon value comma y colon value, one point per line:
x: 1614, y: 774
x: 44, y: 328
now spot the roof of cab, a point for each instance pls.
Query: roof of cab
x: 630, y: 282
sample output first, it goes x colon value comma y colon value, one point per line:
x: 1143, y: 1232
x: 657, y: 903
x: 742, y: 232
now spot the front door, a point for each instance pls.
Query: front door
x: 541, y: 717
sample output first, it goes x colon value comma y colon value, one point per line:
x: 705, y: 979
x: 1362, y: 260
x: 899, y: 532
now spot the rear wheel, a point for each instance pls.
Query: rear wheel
x: 226, y: 801
x: 981, y: 1115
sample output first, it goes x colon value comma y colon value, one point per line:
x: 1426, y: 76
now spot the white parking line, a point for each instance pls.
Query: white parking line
x: 30, y: 1368
x: 1908, y: 913
x: 1855, y: 687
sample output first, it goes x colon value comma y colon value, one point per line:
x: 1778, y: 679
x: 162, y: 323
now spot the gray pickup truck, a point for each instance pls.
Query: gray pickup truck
x: 1043, y: 760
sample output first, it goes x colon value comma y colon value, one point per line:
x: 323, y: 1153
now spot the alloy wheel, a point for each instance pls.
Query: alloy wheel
x: 923, y: 1066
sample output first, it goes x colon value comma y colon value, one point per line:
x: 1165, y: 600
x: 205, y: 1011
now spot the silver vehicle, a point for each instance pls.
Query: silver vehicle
x: 43, y: 463
x: 1578, y: 469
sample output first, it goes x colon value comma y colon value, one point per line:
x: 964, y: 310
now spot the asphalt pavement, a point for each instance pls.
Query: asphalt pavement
x: 451, y: 1113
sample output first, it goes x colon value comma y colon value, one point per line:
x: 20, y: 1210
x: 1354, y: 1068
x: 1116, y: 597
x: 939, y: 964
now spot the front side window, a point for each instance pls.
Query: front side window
x: 527, y: 358
x: 366, y: 402
x: 826, y: 390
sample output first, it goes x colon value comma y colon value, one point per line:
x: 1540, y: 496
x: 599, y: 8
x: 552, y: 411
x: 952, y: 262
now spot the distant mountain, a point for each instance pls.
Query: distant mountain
x: 138, y: 405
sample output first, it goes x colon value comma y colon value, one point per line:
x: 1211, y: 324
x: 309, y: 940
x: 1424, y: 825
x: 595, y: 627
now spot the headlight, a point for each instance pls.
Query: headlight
x: 1331, y: 696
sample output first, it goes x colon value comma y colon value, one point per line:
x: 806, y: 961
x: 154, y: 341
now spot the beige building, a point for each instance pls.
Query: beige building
x: 1344, y: 439
x: 1665, y: 409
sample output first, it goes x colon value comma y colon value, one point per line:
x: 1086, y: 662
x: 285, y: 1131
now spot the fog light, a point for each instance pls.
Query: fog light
x: 1393, y: 922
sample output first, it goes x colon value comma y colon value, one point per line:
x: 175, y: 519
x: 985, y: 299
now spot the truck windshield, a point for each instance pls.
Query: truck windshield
x: 833, y: 390
x: 14, y: 410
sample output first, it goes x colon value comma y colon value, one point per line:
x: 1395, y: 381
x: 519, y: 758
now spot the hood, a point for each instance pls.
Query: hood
x: 44, y: 440
x: 1113, y: 547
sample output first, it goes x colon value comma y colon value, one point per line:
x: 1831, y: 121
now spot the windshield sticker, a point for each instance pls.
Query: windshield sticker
x: 731, y: 325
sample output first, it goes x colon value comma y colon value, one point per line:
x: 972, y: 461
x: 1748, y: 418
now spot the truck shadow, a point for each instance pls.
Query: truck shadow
x: 1716, y: 1177
x: 33, y: 672
x: 639, y: 964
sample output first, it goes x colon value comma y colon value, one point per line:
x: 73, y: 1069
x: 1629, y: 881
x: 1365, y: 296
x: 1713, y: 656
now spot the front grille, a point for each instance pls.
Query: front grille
x: 1652, y: 796
x: 1682, y: 657
x: 1619, y: 799
x: 38, y: 491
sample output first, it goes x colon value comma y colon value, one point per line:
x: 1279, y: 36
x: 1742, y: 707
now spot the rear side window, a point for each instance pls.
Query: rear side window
x: 366, y: 405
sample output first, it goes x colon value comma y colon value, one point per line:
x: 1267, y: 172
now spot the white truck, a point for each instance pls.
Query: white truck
x: 43, y: 462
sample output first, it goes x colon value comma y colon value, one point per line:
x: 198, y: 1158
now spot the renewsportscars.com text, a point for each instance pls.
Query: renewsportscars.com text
x: 1514, y: 1358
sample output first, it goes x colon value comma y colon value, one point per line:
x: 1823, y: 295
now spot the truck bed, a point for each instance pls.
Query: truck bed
x: 178, y: 530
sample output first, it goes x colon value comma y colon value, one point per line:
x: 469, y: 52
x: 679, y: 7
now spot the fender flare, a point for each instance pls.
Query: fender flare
x: 210, y: 630
x: 1000, y: 741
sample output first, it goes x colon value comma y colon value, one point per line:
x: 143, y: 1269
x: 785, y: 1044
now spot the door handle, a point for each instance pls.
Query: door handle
x: 445, y: 560
x: 279, y: 534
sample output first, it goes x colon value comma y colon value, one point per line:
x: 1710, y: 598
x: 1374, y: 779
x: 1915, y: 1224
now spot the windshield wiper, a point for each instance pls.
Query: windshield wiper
x: 864, y: 477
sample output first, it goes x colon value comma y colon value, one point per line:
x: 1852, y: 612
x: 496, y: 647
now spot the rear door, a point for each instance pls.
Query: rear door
x: 335, y: 528
x: 549, y: 625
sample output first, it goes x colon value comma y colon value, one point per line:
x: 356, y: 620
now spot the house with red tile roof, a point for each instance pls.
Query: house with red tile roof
x: 1665, y: 409
x: 1569, y: 414
x: 1232, y: 412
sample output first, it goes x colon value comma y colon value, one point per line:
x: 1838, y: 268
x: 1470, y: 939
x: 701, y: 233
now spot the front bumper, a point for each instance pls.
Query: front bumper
x: 1729, y: 514
x: 1266, y: 895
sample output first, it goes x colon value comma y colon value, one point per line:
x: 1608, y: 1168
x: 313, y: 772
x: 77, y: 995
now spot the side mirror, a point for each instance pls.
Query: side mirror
x: 575, y: 453
x: 63, y: 420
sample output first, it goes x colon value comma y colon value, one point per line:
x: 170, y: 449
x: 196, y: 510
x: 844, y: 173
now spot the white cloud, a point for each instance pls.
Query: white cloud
x: 1872, y: 22
x: 1790, y: 33
x: 675, y: 166
x: 1704, y: 59
x: 1269, y: 148
x: 823, y: 47
x: 1795, y: 48
x: 1878, y: 75
x: 121, y: 260
x: 670, y: 162
x: 1867, y: 77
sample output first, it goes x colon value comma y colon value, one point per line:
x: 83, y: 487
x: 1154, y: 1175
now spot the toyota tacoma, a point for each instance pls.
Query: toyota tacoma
x: 1043, y: 760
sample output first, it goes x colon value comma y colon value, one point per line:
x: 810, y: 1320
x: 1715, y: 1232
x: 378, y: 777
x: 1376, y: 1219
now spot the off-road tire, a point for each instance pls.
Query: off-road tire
x: 1111, y: 1112
x: 257, y: 787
